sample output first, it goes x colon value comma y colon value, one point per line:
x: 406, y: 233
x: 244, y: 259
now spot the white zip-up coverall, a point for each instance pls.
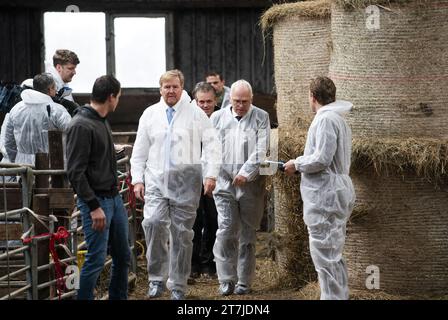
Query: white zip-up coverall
x: 240, y: 209
x: 328, y: 195
x: 59, y: 82
x: 28, y: 124
x: 167, y: 159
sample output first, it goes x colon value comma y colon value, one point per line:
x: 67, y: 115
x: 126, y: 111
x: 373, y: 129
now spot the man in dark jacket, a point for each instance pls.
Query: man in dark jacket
x: 92, y: 170
x: 206, y: 222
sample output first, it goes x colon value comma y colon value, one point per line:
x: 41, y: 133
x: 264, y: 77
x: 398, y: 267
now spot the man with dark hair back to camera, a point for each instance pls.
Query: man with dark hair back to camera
x: 29, y: 120
x: 92, y: 170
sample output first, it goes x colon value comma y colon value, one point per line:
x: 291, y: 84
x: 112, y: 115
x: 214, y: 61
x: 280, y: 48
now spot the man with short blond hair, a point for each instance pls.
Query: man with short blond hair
x: 167, y: 174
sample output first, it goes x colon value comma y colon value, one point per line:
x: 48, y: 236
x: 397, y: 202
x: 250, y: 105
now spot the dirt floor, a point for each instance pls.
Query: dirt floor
x: 266, y: 285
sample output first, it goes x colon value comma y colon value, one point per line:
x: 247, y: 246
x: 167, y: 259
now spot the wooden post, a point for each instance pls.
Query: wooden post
x: 41, y: 207
x: 56, y: 151
x: 42, y: 164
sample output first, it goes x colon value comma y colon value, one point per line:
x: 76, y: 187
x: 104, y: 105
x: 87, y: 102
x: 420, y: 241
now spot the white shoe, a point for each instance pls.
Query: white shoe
x: 242, y: 289
x: 226, y: 288
x: 177, y: 295
x: 155, y: 289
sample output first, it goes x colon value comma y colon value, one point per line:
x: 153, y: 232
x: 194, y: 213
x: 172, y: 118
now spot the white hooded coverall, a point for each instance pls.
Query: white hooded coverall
x: 28, y: 124
x: 167, y: 159
x: 328, y: 195
x: 240, y: 209
x: 67, y: 94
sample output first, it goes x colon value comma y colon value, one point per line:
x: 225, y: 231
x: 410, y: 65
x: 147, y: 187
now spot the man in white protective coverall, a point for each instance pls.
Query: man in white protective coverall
x: 30, y: 119
x: 167, y: 173
x: 239, y: 195
x: 326, y: 188
x: 63, y: 70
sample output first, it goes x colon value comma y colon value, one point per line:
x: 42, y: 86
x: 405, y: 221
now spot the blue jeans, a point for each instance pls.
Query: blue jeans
x: 116, y: 235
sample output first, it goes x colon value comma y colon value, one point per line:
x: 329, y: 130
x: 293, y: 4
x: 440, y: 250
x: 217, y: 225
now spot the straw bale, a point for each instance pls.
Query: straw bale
x: 350, y: 4
x: 397, y: 75
x: 291, y: 237
x: 424, y: 157
x: 301, y: 52
x: 308, y: 9
x: 396, y: 201
x: 402, y: 229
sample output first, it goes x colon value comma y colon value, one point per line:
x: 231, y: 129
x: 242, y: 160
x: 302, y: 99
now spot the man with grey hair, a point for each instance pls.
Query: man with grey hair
x: 243, y: 130
x: 30, y: 119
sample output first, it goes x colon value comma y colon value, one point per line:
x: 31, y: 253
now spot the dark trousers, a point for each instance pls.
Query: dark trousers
x: 204, y: 228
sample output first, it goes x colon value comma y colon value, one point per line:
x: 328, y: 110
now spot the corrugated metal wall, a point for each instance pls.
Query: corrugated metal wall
x: 226, y: 40
x: 20, y: 43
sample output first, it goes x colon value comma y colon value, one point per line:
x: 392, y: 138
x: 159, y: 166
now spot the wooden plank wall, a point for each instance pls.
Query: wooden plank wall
x: 212, y: 38
x: 227, y: 40
x: 20, y: 49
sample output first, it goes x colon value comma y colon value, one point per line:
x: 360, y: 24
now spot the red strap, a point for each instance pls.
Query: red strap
x: 61, y: 235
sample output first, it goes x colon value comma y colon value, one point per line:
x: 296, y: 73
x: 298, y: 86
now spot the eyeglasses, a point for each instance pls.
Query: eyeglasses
x: 243, y: 102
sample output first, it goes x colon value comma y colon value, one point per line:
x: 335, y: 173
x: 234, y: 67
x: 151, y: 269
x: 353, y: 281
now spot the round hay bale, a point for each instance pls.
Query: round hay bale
x: 301, y: 37
x: 291, y: 236
x: 396, y: 75
x: 399, y: 224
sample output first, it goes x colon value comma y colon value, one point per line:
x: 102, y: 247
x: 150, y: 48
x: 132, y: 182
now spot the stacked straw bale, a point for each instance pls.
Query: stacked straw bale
x: 399, y: 224
x: 301, y: 36
x: 396, y: 77
x: 301, y: 40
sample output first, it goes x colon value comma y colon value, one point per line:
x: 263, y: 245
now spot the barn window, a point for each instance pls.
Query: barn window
x: 83, y: 33
x: 140, y: 56
x: 132, y: 47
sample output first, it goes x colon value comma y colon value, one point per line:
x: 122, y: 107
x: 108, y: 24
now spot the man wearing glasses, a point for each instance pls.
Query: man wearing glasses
x: 243, y: 131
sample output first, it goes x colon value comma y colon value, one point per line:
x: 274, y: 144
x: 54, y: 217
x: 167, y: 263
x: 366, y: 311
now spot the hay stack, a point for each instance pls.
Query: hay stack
x: 290, y: 236
x: 401, y: 227
x: 397, y: 78
x: 301, y: 36
x: 397, y: 75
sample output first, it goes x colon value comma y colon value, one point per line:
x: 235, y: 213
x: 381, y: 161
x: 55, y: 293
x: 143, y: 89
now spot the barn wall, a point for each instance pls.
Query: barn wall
x: 20, y: 49
x: 225, y: 39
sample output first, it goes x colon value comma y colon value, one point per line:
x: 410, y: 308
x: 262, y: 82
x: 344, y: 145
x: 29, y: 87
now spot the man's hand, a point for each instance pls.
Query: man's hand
x: 139, y: 191
x: 209, y: 186
x: 239, y: 181
x: 98, y: 219
x: 290, y: 168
